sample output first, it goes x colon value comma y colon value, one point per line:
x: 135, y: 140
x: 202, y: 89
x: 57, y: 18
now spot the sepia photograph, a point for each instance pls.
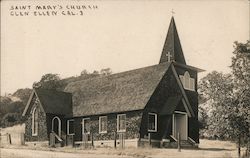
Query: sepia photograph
x: 125, y: 79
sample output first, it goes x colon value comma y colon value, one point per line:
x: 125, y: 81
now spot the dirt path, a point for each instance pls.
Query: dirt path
x: 26, y: 153
x: 207, y: 149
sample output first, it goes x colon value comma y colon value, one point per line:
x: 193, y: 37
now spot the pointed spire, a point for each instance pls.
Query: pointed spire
x: 172, y: 50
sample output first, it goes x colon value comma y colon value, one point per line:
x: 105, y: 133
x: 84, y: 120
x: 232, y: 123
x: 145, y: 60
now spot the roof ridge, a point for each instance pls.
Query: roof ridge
x: 95, y: 77
x: 51, y: 90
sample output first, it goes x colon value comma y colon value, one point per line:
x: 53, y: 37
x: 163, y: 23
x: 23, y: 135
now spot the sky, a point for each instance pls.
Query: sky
x: 121, y: 35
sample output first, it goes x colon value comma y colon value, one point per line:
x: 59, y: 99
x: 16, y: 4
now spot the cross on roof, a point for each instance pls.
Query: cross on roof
x: 172, y: 12
x: 168, y: 54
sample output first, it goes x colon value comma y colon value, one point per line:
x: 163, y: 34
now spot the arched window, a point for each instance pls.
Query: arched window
x: 187, y: 82
x: 56, y: 125
x: 35, y: 122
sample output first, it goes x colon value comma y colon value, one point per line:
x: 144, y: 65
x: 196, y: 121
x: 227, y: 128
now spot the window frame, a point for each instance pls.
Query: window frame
x: 189, y: 80
x: 156, y: 122
x: 102, y: 132
x: 34, y: 124
x: 71, y: 120
x: 83, y: 125
x: 118, y: 123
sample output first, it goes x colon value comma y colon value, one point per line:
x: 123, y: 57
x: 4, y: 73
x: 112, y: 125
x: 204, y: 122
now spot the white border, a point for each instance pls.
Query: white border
x: 173, y: 123
x: 101, y: 132
x: 190, y: 79
x: 72, y: 120
x: 156, y: 124
x: 59, y: 125
x: 34, y: 133
x: 83, y: 125
x: 117, y: 123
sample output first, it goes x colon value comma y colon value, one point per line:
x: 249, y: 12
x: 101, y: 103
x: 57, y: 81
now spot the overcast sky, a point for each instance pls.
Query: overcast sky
x: 121, y: 35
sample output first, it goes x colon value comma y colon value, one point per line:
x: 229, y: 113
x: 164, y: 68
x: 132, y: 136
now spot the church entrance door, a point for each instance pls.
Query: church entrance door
x: 180, y: 125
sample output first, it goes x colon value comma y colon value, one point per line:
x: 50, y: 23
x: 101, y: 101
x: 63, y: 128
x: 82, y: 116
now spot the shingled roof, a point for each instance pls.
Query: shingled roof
x: 126, y: 91
x: 170, y: 105
x: 172, y: 45
x: 54, y: 102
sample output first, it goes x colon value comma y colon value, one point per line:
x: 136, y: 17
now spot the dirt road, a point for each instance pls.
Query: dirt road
x: 207, y: 149
x: 26, y: 153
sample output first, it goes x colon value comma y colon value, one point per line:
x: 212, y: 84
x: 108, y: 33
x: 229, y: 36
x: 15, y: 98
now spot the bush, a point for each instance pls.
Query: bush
x: 11, y: 119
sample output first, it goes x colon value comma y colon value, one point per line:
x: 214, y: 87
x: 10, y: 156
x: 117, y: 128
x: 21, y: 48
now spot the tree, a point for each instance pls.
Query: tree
x: 240, y: 114
x: 23, y: 94
x: 11, y: 119
x: 106, y: 72
x: 228, y: 96
x: 203, y: 120
x: 4, y: 101
x: 10, y: 110
x: 49, y: 81
x: 84, y: 72
x: 217, y: 89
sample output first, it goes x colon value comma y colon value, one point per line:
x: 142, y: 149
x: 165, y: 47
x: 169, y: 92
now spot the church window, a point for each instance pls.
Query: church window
x: 103, y: 122
x: 121, y: 123
x: 86, y: 125
x: 70, y: 125
x: 187, y: 82
x: 191, y: 84
x: 152, y: 122
x: 35, y: 122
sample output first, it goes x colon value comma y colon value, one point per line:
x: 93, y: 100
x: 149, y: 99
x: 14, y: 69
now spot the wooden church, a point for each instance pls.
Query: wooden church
x: 153, y: 105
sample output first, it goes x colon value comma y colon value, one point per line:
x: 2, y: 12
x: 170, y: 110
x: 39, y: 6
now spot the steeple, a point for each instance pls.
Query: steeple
x: 172, y: 50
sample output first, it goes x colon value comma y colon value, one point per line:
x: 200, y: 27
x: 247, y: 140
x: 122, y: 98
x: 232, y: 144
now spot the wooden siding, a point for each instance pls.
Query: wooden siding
x: 169, y: 87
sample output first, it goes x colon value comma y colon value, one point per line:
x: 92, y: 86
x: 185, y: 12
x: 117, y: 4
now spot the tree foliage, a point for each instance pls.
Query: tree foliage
x: 23, y: 94
x: 10, y: 111
x: 228, y: 97
x: 49, y: 81
x: 11, y: 119
x: 217, y: 89
x: 103, y: 72
x: 240, y: 115
x: 106, y: 72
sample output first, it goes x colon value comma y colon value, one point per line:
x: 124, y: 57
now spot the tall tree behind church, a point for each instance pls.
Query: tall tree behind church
x: 229, y: 97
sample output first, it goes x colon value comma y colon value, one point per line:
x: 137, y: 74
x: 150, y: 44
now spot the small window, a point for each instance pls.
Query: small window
x: 70, y: 125
x: 35, y: 122
x: 152, y: 122
x: 86, y: 125
x: 187, y: 82
x: 121, y: 123
x: 103, y: 121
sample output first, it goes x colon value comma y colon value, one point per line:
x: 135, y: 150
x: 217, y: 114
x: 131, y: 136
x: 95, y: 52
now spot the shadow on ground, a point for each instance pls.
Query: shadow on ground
x: 215, y: 149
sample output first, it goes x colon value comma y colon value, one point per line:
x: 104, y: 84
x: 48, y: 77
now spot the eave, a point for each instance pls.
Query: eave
x: 188, y: 67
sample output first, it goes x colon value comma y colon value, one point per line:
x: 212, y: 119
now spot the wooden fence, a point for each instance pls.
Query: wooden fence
x: 11, y: 139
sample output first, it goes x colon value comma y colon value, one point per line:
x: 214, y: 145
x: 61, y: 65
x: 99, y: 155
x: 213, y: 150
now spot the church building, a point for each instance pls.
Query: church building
x: 154, y: 105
